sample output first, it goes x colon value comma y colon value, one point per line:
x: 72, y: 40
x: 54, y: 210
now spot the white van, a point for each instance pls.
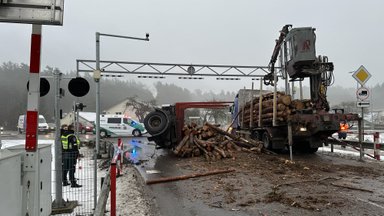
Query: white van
x: 119, y: 125
x: 21, y: 124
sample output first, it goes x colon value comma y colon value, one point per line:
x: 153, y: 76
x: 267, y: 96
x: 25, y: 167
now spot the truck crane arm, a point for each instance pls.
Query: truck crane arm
x: 268, y: 79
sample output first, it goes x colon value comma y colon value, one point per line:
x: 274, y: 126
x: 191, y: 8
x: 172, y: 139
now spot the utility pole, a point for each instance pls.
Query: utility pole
x: 59, y: 202
x: 97, y: 77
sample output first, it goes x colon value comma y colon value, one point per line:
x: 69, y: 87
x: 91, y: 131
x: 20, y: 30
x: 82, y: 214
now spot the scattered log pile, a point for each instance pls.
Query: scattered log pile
x: 285, y: 106
x: 212, y: 142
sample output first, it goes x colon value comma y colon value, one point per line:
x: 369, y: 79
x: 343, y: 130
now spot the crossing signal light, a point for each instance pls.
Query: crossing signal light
x: 78, y: 87
x: 44, y: 87
x: 80, y: 106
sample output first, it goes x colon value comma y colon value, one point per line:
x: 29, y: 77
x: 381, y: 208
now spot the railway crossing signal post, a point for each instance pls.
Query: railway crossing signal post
x: 37, y: 13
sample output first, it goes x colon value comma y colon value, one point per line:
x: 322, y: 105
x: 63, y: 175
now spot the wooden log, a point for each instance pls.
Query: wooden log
x: 200, y: 147
x: 220, y: 151
x: 196, y: 152
x: 220, y: 131
x: 236, y: 147
x: 180, y: 145
x: 183, y: 177
x: 242, y: 144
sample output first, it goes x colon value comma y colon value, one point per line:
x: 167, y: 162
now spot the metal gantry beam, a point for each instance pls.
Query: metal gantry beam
x: 145, y: 69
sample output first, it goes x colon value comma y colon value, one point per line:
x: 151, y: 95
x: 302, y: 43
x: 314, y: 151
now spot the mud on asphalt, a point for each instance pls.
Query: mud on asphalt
x: 315, y: 184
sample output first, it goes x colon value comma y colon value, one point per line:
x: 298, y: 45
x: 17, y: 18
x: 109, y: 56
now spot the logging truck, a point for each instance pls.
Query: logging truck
x: 278, y: 119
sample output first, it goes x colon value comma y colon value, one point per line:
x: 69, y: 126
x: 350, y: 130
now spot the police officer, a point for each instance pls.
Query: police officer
x: 70, y: 147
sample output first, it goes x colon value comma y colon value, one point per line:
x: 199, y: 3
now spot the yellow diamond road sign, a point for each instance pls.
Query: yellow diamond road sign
x: 361, y: 75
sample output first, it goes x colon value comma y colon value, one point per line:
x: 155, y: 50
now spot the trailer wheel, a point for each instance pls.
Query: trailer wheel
x: 156, y: 123
x: 256, y: 135
x: 267, y: 140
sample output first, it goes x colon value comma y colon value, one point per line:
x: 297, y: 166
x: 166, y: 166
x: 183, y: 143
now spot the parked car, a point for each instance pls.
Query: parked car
x: 85, y: 128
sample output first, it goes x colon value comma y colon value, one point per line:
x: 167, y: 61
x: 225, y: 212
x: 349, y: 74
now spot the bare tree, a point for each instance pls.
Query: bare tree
x: 141, y: 108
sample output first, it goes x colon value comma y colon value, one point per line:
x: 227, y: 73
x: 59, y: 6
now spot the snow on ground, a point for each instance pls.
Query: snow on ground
x: 130, y: 197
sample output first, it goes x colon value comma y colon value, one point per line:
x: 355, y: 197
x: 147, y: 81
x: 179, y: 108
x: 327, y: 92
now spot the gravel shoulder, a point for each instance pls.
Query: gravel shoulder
x: 132, y: 197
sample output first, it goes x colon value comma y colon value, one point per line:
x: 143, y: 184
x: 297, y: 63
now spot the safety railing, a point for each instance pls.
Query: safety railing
x: 109, y: 184
x: 374, y: 145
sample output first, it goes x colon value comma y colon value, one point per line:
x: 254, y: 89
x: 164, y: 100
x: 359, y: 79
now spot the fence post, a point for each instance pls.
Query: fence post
x: 376, y: 145
x: 113, y: 187
x: 121, y: 156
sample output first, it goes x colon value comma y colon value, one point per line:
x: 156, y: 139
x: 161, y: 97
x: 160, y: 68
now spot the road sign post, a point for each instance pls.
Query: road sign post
x: 362, y: 75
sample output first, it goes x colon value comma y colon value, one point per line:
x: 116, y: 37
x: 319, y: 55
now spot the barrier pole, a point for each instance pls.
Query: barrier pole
x: 113, y: 188
x: 119, y: 156
x: 376, y: 145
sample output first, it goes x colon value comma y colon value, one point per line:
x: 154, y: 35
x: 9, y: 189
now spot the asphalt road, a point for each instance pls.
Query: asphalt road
x: 170, y: 199
x: 223, y: 195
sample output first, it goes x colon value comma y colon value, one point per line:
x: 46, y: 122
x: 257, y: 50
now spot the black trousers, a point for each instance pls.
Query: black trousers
x: 69, y: 166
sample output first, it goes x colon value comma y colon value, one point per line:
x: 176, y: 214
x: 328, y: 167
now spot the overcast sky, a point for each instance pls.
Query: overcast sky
x: 241, y: 32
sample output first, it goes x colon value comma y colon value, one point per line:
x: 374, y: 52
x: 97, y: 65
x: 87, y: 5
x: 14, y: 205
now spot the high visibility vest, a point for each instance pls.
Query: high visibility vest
x: 66, y: 144
x: 343, y: 127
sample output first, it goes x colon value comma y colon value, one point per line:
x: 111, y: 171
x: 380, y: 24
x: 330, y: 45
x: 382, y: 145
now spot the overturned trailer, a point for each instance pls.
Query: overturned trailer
x: 165, y: 124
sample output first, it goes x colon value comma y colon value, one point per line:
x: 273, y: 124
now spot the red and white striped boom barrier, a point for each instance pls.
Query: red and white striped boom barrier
x: 116, y: 165
x: 120, y: 147
x: 34, y: 91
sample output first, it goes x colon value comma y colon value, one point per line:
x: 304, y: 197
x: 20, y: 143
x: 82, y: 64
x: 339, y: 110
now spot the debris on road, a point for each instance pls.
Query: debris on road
x: 351, y: 187
x: 213, y: 142
x: 184, y: 177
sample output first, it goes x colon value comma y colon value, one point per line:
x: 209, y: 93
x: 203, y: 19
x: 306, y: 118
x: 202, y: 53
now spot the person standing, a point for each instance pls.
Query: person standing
x: 70, y: 147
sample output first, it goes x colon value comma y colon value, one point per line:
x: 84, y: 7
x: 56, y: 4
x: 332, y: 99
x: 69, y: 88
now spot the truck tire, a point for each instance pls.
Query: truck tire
x: 267, y: 140
x: 312, y: 150
x: 256, y: 135
x: 83, y: 131
x: 156, y: 123
x: 136, y: 133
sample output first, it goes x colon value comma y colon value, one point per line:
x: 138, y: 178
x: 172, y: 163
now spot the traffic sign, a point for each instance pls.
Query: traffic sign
x: 362, y: 104
x: 361, y: 75
x: 362, y: 93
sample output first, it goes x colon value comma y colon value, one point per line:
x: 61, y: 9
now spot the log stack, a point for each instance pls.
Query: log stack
x: 285, y: 107
x: 212, y: 142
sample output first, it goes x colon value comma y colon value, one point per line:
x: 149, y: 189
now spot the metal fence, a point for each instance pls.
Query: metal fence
x: 84, y: 175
